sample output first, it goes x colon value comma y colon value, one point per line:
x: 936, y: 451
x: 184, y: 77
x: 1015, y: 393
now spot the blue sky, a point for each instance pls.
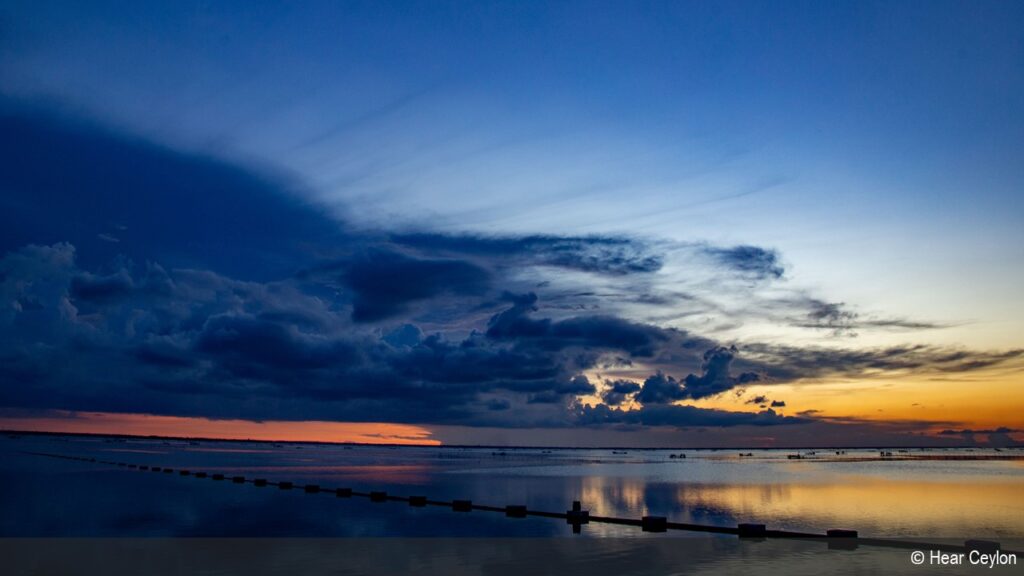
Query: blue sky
x: 869, y: 151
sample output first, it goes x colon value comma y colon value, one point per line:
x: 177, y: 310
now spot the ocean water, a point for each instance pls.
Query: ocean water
x: 933, y: 493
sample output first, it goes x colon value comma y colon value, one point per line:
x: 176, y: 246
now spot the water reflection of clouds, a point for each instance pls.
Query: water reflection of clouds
x: 876, y: 507
x: 883, y: 507
x: 900, y: 498
x: 389, y: 474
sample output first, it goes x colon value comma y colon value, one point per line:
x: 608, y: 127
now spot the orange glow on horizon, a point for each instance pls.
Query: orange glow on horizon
x: 946, y: 403
x: 185, y: 427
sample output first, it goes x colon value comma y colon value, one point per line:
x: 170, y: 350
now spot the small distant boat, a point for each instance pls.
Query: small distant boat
x: 794, y: 457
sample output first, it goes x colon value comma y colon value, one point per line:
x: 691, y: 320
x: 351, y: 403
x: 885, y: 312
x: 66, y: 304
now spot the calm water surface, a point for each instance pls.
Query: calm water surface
x: 912, y: 494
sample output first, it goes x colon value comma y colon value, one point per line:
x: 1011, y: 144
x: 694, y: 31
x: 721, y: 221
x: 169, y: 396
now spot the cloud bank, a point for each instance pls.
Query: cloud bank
x: 136, y: 278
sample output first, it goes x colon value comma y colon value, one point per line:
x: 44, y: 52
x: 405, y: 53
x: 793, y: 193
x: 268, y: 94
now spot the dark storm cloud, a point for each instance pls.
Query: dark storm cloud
x: 714, y: 379
x: 248, y: 344
x: 406, y: 335
x: 498, y: 404
x: 751, y: 260
x: 578, y: 385
x: 561, y: 392
x: 70, y: 180
x: 681, y: 416
x: 226, y: 296
x: 994, y: 437
x: 593, y: 332
x: 384, y: 282
x: 476, y: 361
x: 191, y: 342
x: 761, y: 400
x: 163, y: 356
x: 197, y: 343
x: 660, y: 389
x: 970, y: 432
x: 89, y: 287
x: 619, y: 391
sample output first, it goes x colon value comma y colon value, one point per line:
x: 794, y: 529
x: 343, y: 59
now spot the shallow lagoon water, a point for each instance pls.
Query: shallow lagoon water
x: 913, y: 494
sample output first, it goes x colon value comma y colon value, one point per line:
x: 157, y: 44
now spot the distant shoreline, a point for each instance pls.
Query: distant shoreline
x: 493, y: 446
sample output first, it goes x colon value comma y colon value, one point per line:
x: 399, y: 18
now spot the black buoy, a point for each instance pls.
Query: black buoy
x: 577, y: 515
x: 654, y: 524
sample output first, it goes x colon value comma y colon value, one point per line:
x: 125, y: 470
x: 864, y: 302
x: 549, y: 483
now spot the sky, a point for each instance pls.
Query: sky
x: 671, y: 224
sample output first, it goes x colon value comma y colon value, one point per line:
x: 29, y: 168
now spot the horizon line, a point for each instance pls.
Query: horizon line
x: 9, y: 432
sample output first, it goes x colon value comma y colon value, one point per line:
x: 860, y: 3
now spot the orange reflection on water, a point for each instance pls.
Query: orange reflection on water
x: 871, y: 505
x: 907, y: 507
x: 185, y: 427
x: 610, y: 496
